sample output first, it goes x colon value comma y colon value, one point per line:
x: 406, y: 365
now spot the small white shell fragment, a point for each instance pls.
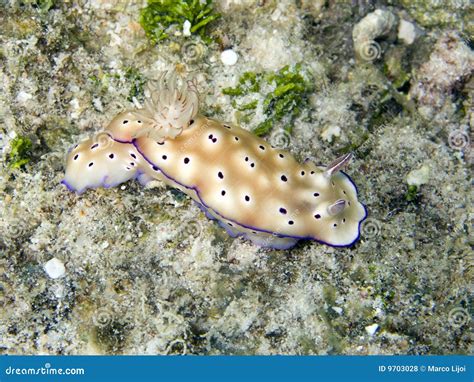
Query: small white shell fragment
x: 371, y: 329
x: 406, y: 32
x: 98, y: 104
x: 23, y: 97
x: 276, y: 15
x: 419, y: 176
x: 187, y: 28
x: 55, y: 268
x: 330, y: 132
x: 337, y: 309
x: 376, y: 24
x: 229, y: 57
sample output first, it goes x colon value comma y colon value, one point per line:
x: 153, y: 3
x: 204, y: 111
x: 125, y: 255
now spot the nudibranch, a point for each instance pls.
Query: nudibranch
x: 251, y: 188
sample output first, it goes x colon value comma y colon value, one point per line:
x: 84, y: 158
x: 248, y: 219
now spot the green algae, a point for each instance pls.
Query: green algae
x: 20, y: 152
x: 159, y: 15
x: 249, y: 82
x: 394, y: 68
x: 137, y: 84
x: 291, y: 88
x: 412, y: 193
x: 329, y: 294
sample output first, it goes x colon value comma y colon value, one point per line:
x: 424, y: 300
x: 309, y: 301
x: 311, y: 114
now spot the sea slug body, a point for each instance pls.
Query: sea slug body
x: 252, y: 189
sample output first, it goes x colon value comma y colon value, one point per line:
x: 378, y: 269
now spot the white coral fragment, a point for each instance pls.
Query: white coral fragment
x: 55, y: 268
x: 406, y: 32
x: 419, y: 176
x: 229, y: 57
